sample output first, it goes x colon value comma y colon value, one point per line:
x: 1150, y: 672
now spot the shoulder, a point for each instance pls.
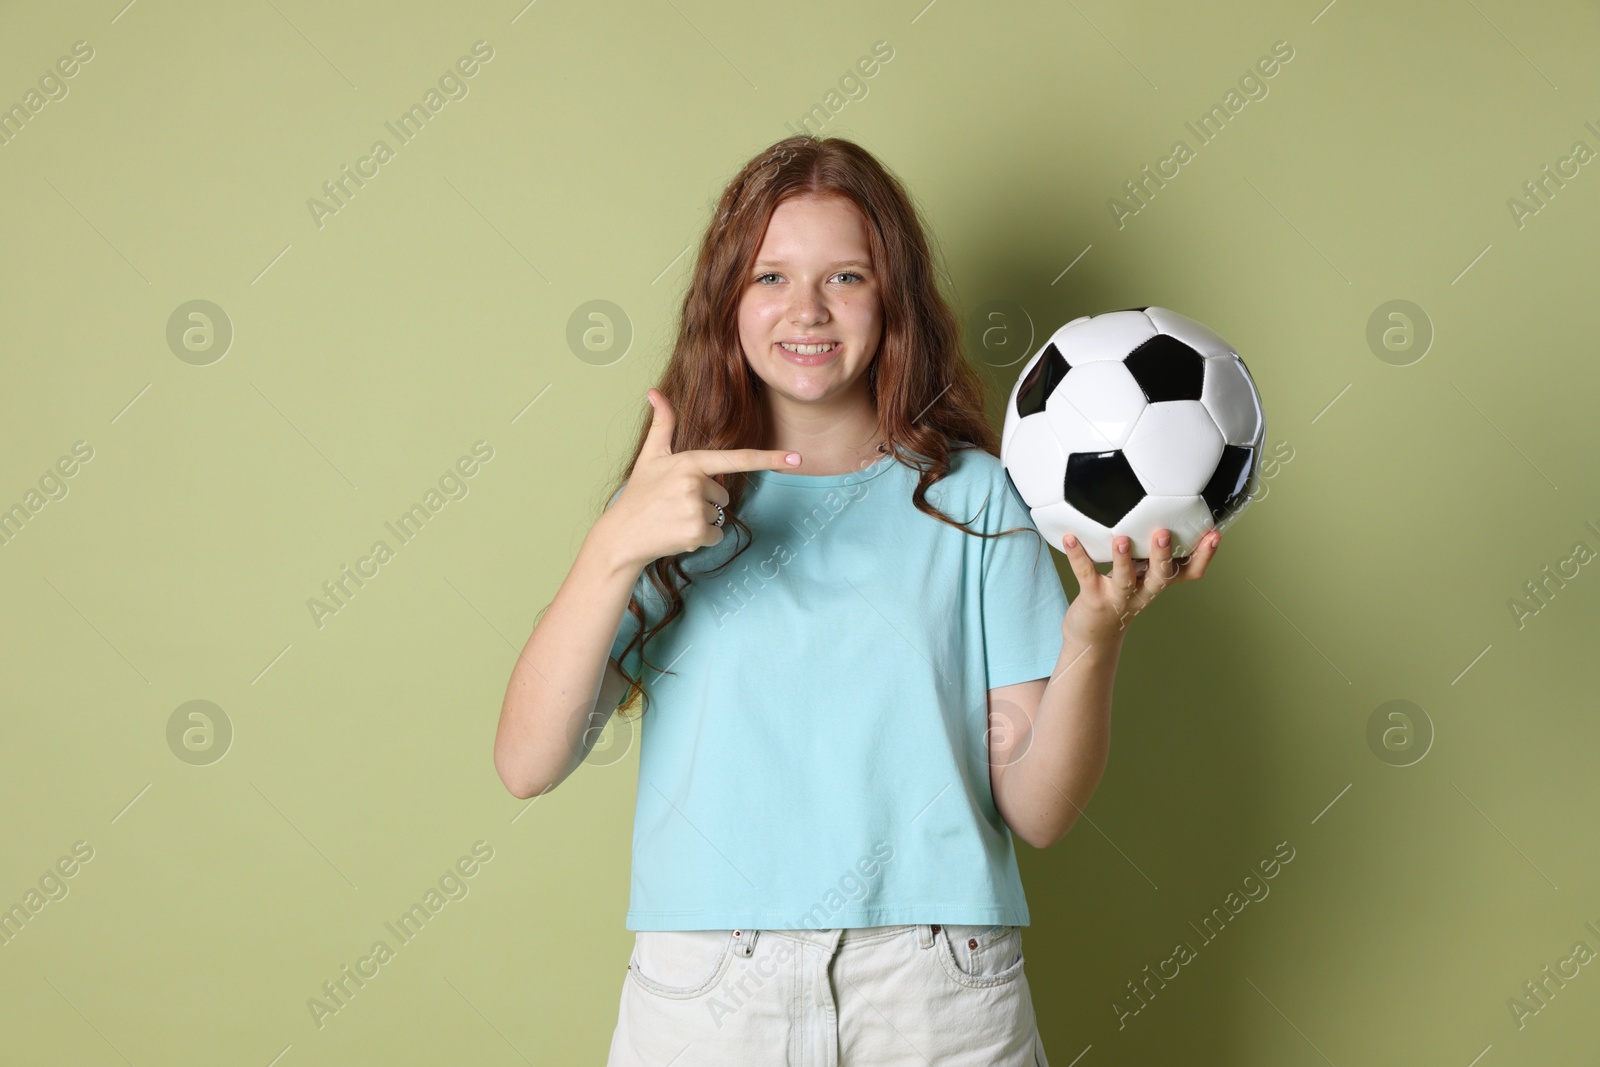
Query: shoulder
x: 977, y: 487
x: 974, y: 470
x: 989, y: 492
x: 973, y: 462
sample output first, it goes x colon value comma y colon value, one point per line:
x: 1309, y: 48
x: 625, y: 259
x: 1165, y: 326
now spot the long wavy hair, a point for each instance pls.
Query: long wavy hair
x: 927, y: 396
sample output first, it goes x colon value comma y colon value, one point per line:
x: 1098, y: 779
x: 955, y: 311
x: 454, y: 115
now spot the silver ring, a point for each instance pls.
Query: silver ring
x: 720, y: 515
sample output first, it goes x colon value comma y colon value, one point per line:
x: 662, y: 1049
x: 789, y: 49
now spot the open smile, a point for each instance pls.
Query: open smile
x: 810, y: 355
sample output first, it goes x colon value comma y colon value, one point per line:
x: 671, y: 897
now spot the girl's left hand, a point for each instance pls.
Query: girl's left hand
x: 1106, y: 603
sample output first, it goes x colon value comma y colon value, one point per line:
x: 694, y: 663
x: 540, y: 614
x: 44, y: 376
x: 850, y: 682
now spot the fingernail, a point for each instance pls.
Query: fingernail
x: 1122, y: 546
x: 1164, y: 540
x: 1072, y: 542
x: 792, y: 459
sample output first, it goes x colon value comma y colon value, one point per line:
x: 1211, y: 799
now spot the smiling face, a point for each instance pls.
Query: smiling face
x: 810, y: 318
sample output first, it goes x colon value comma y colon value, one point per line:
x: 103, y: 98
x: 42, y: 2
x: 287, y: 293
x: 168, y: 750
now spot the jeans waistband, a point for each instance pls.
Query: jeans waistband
x: 830, y: 939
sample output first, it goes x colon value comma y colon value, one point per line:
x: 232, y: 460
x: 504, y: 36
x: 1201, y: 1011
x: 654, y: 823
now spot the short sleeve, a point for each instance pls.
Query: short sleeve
x: 629, y: 626
x: 654, y: 609
x: 625, y: 631
x: 1022, y: 602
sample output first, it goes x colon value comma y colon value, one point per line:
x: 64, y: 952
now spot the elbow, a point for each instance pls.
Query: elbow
x: 515, y: 785
x: 519, y: 790
x: 523, y: 789
x: 517, y: 781
x: 1043, y: 836
x: 1041, y: 829
x: 1040, y: 839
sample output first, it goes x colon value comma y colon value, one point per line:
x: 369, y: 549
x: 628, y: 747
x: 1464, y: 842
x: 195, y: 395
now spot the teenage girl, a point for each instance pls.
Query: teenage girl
x: 853, y: 703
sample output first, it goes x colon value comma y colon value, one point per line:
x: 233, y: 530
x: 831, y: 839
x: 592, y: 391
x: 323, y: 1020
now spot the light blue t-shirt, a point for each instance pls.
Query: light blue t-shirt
x: 817, y: 757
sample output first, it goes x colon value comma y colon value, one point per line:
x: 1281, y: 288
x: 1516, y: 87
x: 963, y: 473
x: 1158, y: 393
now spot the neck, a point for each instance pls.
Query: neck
x: 837, y: 440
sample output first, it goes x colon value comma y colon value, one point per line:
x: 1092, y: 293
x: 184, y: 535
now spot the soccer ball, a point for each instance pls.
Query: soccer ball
x: 1130, y: 421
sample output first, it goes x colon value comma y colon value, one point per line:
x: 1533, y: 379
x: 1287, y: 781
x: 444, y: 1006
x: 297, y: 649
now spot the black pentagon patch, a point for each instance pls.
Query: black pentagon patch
x: 1102, y: 485
x: 1167, y: 369
x: 1229, y: 486
x: 1146, y: 308
x: 1041, y: 381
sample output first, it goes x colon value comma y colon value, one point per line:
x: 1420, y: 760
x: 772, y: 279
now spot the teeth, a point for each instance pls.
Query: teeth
x: 807, y: 350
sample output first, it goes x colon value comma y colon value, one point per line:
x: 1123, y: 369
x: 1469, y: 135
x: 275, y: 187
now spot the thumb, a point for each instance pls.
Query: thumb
x: 658, y: 441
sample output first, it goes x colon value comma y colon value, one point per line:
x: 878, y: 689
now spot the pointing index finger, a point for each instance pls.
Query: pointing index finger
x: 726, y: 461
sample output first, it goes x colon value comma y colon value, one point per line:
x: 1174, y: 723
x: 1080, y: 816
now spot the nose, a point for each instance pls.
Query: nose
x: 807, y: 310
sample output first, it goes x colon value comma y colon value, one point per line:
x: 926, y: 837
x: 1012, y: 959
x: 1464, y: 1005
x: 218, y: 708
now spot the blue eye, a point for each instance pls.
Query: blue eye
x: 842, y: 274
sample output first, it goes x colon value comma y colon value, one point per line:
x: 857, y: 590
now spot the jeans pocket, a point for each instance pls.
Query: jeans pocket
x: 979, y: 956
x: 680, y: 963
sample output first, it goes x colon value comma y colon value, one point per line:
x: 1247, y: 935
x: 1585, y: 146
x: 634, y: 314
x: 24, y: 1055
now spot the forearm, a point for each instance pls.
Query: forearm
x: 550, y: 701
x: 1042, y: 794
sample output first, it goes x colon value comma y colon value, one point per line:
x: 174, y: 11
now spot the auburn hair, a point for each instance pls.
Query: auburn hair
x: 927, y: 396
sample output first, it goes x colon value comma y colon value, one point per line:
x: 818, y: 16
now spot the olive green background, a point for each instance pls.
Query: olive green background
x: 433, y: 310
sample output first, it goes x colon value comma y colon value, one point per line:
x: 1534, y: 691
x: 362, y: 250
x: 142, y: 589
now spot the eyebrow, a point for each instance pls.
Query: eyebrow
x: 841, y: 263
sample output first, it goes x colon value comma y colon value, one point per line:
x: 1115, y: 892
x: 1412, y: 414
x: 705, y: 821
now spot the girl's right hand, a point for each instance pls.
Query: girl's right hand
x: 666, y: 506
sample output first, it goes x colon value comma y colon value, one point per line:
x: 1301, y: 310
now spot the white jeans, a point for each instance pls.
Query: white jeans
x: 879, y: 996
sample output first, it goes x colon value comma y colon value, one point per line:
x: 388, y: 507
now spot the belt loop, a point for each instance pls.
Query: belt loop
x: 925, y: 934
x: 744, y: 942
